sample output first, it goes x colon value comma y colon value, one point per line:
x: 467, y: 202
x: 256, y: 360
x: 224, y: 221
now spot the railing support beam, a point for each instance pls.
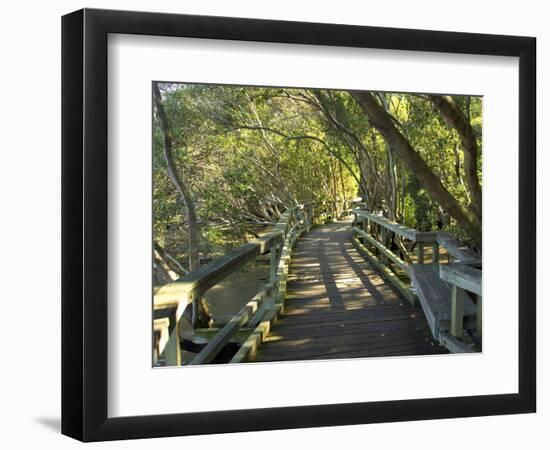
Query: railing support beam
x: 420, y: 253
x: 479, y: 310
x: 172, y: 352
x: 274, y: 262
x: 457, y: 311
x: 435, y: 252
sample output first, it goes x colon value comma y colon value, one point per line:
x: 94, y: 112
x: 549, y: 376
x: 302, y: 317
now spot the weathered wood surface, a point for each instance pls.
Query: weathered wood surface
x: 232, y: 327
x: 455, y: 345
x: 408, y: 233
x: 339, y: 306
x: 385, y: 252
x: 457, y: 249
x: 435, y: 298
x: 405, y: 290
x: 462, y: 275
x: 193, y: 285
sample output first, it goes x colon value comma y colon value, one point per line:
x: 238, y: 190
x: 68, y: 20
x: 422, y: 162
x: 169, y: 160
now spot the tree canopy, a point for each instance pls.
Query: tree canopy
x: 228, y: 160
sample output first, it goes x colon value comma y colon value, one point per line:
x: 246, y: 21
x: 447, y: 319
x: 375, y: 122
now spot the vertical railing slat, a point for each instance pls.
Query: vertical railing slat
x: 420, y: 246
x: 435, y: 252
x: 457, y: 311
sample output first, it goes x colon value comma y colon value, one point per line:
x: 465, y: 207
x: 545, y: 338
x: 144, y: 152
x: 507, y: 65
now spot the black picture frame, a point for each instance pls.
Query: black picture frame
x: 84, y: 224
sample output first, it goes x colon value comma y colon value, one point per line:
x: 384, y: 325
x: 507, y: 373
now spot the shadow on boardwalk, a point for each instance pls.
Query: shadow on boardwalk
x: 339, y: 306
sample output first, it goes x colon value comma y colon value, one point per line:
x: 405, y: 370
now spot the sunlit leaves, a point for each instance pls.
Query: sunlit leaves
x: 248, y: 153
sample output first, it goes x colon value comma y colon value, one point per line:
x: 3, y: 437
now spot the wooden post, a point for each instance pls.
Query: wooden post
x: 435, y: 252
x: 273, y: 269
x: 383, y: 259
x: 366, y: 230
x: 478, y: 314
x: 161, y: 334
x: 420, y: 252
x: 457, y: 311
x: 195, y: 312
x: 172, y: 353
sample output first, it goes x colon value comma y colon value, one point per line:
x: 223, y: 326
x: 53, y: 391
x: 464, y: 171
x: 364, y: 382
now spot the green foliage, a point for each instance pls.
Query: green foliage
x: 249, y: 153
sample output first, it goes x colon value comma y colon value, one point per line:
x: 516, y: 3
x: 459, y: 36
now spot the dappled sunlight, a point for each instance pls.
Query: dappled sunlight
x: 273, y: 338
x: 338, y: 305
x: 288, y: 342
x: 298, y: 215
x: 335, y: 273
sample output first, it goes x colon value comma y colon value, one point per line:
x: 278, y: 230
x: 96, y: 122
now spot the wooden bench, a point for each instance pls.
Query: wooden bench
x: 435, y: 298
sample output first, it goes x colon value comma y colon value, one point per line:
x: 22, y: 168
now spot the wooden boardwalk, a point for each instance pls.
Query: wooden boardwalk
x: 339, y: 306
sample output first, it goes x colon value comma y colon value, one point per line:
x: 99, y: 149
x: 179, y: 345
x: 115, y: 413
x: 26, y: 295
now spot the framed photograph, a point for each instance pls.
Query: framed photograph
x: 273, y: 225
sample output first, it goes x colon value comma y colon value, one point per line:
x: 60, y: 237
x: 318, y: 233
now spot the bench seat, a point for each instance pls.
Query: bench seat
x: 435, y: 298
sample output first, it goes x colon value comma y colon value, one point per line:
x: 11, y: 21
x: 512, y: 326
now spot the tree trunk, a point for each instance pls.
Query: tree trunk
x: 342, y: 185
x: 456, y: 119
x: 181, y: 187
x: 381, y: 120
x: 202, y: 317
x: 392, y: 184
x: 364, y: 188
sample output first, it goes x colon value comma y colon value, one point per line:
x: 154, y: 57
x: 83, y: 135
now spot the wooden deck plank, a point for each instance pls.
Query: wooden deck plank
x: 338, y: 305
x: 361, y: 322
x: 360, y: 350
x: 351, y: 319
x: 325, y: 332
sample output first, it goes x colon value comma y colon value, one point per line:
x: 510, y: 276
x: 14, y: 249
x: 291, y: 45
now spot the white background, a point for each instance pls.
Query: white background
x: 30, y: 177
x: 135, y: 389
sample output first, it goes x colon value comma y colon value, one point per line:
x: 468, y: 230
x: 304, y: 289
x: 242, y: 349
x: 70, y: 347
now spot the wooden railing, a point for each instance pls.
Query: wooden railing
x: 463, y: 278
x: 463, y: 273
x: 373, y: 236
x: 252, y: 322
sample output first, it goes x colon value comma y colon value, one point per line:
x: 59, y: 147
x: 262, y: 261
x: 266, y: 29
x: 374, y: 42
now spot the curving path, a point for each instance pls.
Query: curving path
x: 339, y: 306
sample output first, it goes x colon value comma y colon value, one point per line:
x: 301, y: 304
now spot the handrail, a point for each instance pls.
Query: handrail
x: 421, y: 238
x: 192, y: 286
x: 408, y: 233
x: 177, y: 295
x: 457, y: 249
x: 383, y: 250
x: 251, y: 310
x: 462, y: 277
x: 261, y: 321
x: 230, y: 329
x: 463, y: 274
